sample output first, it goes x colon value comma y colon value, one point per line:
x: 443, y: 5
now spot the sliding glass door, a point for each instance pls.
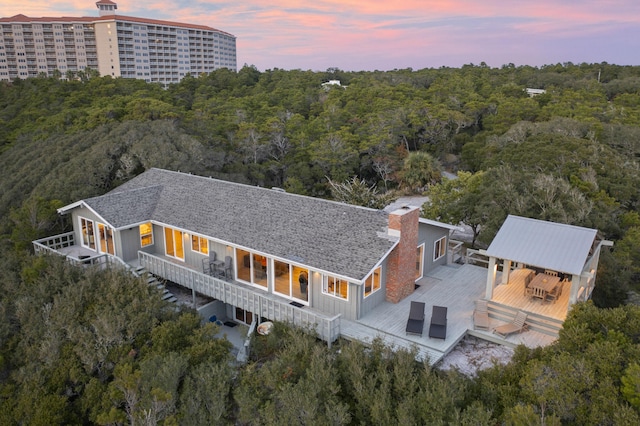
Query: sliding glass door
x: 174, y: 243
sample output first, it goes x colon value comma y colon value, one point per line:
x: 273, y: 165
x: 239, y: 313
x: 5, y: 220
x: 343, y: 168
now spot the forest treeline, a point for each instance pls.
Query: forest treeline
x: 569, y: 155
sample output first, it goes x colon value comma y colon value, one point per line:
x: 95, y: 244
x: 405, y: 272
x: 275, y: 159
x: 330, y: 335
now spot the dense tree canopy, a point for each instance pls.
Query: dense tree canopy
x: 568, y: 155
x: 83, y: 346
x: 100, y: 347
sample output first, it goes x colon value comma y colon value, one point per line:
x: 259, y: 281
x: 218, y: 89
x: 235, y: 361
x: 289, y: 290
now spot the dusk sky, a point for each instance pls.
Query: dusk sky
x: 356, y: 35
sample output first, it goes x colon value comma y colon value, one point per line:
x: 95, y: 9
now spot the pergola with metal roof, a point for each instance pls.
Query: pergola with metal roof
x: 571, y: 250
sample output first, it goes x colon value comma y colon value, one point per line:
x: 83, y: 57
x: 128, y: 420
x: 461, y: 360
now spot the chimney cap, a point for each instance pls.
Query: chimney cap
x: 404, y: 210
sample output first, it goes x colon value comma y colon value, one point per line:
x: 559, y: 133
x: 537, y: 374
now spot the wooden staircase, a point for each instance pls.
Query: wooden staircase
x: 540, y: 323
x: 153, y: 281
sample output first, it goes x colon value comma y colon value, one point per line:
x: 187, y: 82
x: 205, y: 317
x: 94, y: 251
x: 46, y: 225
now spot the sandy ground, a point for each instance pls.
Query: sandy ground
x: 473, y: 354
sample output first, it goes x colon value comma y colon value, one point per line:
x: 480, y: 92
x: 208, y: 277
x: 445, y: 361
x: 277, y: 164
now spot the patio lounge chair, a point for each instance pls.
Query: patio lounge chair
x: 438, y: 327
x: 516, y: 326
x: 415, y: 323
x: 481, y: 315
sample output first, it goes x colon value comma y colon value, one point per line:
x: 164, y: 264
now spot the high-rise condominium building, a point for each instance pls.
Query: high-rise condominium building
x: 115, y: 45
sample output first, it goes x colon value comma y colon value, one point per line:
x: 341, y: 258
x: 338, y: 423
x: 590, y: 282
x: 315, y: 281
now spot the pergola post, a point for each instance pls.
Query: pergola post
x: 506, y: 271
x: 575, y: 288
x: 491, y: 278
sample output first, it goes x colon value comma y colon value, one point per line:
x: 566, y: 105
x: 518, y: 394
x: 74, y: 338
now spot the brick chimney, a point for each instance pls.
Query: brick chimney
x: 401, y: 265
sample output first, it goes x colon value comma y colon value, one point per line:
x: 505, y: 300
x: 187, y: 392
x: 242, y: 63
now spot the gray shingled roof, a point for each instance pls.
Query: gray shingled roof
x: 548, y: 245
x: 123, y: 209
x: 330, y: 236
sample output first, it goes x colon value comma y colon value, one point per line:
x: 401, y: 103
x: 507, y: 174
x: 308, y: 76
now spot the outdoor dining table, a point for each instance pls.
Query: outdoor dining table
x: 217, y: 267
x: 544, y: 283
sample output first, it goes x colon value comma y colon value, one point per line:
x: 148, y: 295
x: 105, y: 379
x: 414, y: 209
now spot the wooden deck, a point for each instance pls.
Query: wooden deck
x: 512, y: 294
x: 455, y: 286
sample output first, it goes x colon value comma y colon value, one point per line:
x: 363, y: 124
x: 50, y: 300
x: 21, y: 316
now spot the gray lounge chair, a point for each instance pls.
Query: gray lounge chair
x: 415, y: 323
x: 438, y: 327
x: 518, y: 325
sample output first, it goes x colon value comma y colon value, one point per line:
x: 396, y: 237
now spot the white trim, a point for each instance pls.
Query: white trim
x: 93, y: 230
x: 164, y: 235
x: 199, y: 251
x: 325, y: 285
x: 235, y: 246
x: 220, y: 241
x: 424, y: 246
x: 84, y: 205
x: 292, y: 283
x: 66, y: 209
x: 153, y: 240
x: 373, y: 291
x: 439, y: 224
x: 113, y: 239
x: 382, y: 259
x: 435, y: 252
x: 236, y: 259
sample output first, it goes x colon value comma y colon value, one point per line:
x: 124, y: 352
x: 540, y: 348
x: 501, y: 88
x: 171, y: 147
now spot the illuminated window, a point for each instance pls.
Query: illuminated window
x: 372, y: 282
x: 146, y: 234
x: 199, y: 244
x: 440, y: 248
x: 173, y: 243
x: 88, y: 236
x: 106, y: 239
x: 336, y: 287
x: 252, y: 268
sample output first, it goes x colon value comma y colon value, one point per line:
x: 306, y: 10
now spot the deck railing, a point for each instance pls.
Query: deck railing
x: 327, y: 328
x: 455, y: 251
x: 53, y: 244
x: 475, y: 257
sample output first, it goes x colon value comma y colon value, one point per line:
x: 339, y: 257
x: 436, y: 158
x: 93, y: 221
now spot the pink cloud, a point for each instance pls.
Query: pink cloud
x: 374, y: 34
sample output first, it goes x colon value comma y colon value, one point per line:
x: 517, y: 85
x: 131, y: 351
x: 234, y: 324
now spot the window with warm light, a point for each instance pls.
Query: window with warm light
x: 173, y: 244
x: 88, y: 236
x: 199, y: 244
x: 146, y: 234
x: 252, y: 268
x: 440, y: 248
x: 335, y: 287
x: 372, y: 282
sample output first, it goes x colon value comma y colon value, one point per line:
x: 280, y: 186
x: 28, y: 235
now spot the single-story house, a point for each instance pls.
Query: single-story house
x: 260, y: 251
